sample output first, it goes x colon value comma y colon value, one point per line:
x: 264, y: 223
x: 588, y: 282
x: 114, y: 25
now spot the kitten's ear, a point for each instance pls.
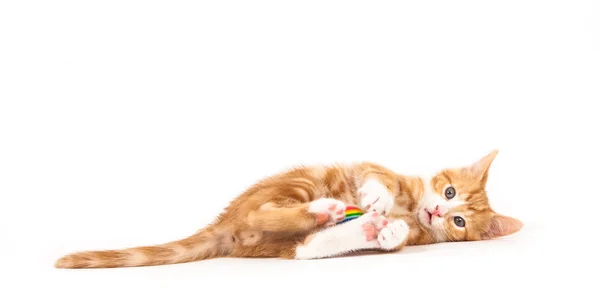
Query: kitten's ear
x: 479, y: 170
x: 501, y: 226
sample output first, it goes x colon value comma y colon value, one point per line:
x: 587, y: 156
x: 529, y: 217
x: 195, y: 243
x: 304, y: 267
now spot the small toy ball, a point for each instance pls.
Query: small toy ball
x: 352, y: 212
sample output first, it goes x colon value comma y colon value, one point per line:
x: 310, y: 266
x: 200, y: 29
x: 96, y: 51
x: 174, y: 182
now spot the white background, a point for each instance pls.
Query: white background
x: 127, y: 123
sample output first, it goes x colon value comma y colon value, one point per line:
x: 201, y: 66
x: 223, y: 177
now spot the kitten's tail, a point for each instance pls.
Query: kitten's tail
x: 206, y: 243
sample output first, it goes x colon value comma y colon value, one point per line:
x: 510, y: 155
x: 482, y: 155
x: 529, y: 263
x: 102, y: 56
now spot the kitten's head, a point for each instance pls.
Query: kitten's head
x: 455, y: 205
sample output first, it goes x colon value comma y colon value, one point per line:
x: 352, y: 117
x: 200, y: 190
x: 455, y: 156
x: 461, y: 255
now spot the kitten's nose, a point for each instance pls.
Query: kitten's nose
x: 437, y: 212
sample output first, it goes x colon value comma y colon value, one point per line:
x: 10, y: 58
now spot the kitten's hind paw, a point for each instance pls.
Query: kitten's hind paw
x: 328, y: 211
x: 393, y: 235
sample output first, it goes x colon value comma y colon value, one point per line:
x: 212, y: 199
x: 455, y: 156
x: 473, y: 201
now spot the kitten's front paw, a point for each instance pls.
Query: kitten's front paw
x: 375, y: 197
x: 328, y: 211
x: 393, y: 235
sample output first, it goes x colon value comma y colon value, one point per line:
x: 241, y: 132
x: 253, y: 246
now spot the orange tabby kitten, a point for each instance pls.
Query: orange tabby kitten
x: 293, y: 215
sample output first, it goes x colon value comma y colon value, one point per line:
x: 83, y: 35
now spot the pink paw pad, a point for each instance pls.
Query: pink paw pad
x: 322, y: 218
x: 370, y: 231
x: 340, y: 215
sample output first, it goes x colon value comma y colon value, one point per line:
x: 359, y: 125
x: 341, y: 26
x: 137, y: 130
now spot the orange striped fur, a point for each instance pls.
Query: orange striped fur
x: 272, y: 218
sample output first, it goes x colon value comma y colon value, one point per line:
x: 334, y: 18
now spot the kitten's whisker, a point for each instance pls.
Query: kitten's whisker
x: 447, y: 232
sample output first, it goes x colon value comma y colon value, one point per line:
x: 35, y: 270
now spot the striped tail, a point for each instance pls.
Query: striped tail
x: 203, y: 245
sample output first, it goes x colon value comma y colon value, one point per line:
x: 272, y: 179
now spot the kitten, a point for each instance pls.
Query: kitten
x: 293, y: 215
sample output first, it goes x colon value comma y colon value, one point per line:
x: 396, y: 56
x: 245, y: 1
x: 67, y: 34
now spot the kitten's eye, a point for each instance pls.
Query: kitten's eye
x: 450, y: 192
x: 459, y: 221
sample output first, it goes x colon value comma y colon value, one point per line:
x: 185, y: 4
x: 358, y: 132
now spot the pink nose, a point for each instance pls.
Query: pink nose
x: 437, y: 211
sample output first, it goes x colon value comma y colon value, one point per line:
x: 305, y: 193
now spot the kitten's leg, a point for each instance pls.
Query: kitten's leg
x: 281, y: 215
x: 370, y: 231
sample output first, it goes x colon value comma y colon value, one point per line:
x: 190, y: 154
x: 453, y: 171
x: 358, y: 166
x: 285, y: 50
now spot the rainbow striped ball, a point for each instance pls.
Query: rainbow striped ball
x: 352, y: 212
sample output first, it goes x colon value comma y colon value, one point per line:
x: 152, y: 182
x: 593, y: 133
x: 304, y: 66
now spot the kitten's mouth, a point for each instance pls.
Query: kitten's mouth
x: 428, y: 216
